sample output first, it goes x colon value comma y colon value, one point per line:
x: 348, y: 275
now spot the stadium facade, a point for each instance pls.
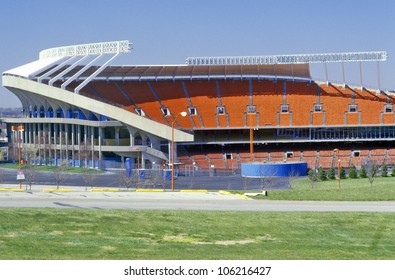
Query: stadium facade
x: 80, y: 109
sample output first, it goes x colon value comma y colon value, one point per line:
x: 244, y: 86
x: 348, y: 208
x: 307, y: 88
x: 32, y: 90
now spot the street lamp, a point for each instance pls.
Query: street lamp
x: 19, y: 129
x: 183, y: 114
x: 338, y: 166
x: 251, y: 138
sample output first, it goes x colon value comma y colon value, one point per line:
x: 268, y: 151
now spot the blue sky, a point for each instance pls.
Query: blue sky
x: 167, y: 32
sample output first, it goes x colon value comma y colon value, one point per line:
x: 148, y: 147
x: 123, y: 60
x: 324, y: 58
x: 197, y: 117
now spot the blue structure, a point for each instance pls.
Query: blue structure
x: 273, y: 169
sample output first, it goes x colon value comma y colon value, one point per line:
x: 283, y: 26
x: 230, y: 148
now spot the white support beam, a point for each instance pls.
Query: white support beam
x: 289, y: 59
x: 80, y: 72
x: 64, y: 72
x: 88, y: 49
x: 97, y: 72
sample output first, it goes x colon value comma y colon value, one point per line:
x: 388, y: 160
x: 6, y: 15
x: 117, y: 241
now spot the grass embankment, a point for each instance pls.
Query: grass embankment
x: 383, y: 189
x: 118, y: 234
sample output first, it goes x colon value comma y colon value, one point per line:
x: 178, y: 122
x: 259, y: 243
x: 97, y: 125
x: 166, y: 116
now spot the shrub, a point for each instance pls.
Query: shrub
x: 322, y: 174
x: 331, y: 174
x: 353, y: 172
x: 362, y: 172
x: 384, y: 171
x: 342, y: 173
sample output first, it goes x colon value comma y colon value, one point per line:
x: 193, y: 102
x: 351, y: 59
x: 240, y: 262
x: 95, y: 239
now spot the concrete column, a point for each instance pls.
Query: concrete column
x: 93, y: 146
x: 55, y: 142
x: 100, y: 142
x: 117, y: 136
x: 49, y: 128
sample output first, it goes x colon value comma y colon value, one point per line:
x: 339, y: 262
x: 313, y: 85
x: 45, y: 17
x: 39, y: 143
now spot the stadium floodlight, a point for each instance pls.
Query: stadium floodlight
x: 289, y: 59
x: 88, y: 49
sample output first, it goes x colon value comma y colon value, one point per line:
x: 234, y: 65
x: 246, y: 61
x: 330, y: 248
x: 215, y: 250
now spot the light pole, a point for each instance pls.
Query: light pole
x: 19, y: 129
x: 251, y: 139
x: 338, y: 167
x: 183, y: 114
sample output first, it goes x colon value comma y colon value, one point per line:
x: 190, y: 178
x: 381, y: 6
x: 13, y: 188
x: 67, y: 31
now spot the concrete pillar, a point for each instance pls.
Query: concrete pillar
x: 117, y: 136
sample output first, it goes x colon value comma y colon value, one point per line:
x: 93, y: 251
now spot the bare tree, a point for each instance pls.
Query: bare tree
x: 126, y: 181
x: 30, y: 170
x: 89, y: 176
x: 267, y: 176
x: 371, y: 168
x: 60, y: 173
x: 292, y: 175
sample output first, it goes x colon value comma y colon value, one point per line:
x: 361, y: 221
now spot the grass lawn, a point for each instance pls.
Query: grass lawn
x: 383, y: 189
x: 119, y: 234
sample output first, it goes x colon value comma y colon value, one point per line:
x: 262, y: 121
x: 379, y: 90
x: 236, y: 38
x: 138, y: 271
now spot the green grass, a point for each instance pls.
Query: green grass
x: 383, y: 189
x: 119, y: 234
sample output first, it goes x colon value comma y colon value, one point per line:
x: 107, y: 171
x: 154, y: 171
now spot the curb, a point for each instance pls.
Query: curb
x: 11, y: 189
x: 57, y: 190
x: 238, y: 195
x: 191, y: 191
x: 104, y: 190
x: 149, y: 190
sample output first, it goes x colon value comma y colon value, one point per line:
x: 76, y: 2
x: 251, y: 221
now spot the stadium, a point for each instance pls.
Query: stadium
x: 217, y: 112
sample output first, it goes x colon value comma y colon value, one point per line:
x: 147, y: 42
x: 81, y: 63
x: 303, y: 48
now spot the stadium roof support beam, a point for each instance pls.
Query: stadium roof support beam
x: 87, y: 49
x: 289, y: 59
x: 97, y: 72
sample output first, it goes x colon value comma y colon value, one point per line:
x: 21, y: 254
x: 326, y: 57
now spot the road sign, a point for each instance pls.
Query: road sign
x: 20, y: 175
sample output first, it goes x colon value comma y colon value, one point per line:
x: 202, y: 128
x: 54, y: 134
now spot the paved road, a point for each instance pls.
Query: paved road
x: 178, y: 201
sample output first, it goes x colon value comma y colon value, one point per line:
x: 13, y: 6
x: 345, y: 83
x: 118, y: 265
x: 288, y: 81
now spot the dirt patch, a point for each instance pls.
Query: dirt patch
x: 226, y: 242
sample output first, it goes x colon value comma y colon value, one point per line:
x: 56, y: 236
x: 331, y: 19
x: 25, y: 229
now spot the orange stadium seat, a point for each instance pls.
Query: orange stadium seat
x: 203, y: 96
x: 142, y: 95
x: 301, y: 96
x: 267, y: 97
x: 111, y: 93
x: 235, y: 98
x: 173, y: 97
x: 335, y: 102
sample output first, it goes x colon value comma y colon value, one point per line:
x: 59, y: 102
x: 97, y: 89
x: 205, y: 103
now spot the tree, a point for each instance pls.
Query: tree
x: 393, y: 171
x: 342, y: 173
x: 313, y: 176
x: 60, y: 173
x: 331, y: 174
x: 352, y: 174
x: 30, y: 154
x: 89, y: 176
x: 322, y: 174
x: 384, y: 171
x: 362, y: 172
x: 371, y: 169
x: 267, y: 177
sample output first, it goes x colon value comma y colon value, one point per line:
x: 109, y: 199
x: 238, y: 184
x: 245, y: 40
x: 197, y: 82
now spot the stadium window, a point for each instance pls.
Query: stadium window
x: 192, y: 111
x: 388, y: 108
x: 221, y: 110
x: 318, y: 108
x: 251, y: 109
x: 290, y: 154
x: 228, y: 156
x: 140, y: 112
x: 284, y: 109
x: 356, y: 153
x: 165, y: 111
x: 352, y: 108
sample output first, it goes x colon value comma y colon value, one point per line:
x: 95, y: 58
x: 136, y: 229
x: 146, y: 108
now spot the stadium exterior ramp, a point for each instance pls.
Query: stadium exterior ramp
x: 68, y: 121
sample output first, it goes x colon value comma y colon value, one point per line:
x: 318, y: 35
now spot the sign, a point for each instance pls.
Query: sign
x: 129, y: 166
x: 20, y: 175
